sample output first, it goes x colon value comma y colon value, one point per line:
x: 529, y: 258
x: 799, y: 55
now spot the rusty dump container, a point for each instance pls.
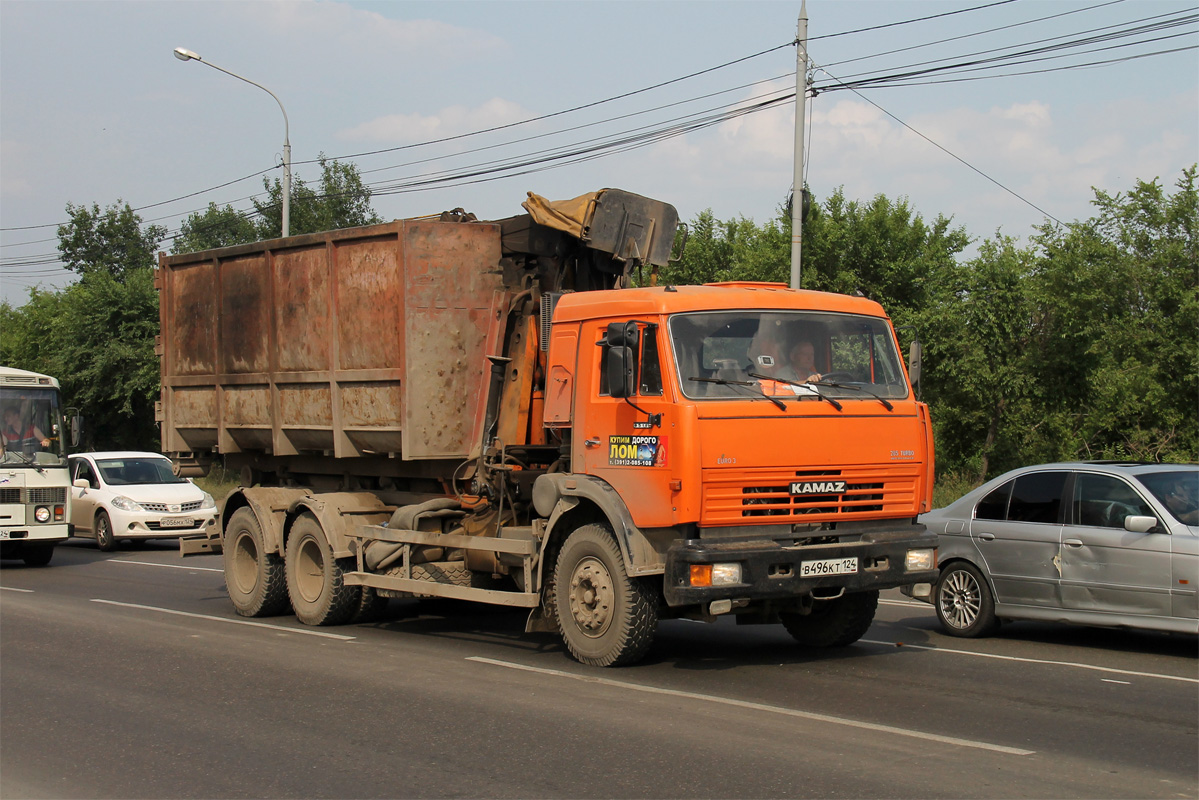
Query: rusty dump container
x: 347, y: 343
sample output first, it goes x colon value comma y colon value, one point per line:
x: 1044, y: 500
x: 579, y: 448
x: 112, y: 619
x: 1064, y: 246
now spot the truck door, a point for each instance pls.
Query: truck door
x: 626, y: 440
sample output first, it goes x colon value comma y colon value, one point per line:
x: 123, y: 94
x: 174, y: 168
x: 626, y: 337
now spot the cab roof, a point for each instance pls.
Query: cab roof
x: 578, y: 306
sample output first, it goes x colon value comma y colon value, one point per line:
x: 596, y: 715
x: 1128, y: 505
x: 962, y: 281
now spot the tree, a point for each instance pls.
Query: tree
x: 111, y: 241
x: 216, y: 227
x: 341, y: 201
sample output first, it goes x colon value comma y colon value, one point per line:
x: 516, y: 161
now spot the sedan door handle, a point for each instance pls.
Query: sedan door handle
x: 987, y: 537
x: 1073, y: 542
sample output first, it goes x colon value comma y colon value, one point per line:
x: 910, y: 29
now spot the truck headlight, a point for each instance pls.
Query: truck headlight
x: 723, y: 574
x: 921, y: 560
x: 42, y: 514
x: 125, y: 504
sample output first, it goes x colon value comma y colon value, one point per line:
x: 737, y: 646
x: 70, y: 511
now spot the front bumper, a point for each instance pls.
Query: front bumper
x: 57, y: 532
x: 155, y: 525
x: 772, y: 571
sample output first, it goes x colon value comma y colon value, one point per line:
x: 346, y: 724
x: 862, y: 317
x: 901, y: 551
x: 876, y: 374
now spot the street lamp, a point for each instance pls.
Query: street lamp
x: 188, y: 55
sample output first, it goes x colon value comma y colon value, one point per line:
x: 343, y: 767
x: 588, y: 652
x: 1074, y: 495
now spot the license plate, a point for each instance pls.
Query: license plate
x: 177, y: 522
x: 828, y: 566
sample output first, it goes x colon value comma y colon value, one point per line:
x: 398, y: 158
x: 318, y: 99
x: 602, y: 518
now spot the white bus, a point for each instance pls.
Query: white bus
x: 34, y: 479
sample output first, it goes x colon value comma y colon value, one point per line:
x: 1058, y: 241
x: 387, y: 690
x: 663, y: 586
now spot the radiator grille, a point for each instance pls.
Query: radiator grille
x: 51, y: 495
x: 36, y: 495
x: 764, y: 496
x: 163, y: 508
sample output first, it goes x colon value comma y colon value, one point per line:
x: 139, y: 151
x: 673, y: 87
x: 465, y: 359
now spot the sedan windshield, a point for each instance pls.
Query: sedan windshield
x: 847, y: 356
x: 127, y: 471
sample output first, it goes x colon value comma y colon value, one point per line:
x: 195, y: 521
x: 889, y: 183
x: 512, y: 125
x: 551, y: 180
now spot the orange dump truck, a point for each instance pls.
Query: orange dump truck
x: 479, y: 410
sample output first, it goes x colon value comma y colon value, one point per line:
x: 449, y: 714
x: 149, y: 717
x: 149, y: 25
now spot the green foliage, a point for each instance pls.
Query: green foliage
x: 97, y: 337
x: 1080, y: 344
x: 216, y: 227
x: 342, y: 200
x: 111, y: 241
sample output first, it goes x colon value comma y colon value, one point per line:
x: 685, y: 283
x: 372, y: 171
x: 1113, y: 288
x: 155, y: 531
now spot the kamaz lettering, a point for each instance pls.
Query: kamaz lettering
x: 818, y: 487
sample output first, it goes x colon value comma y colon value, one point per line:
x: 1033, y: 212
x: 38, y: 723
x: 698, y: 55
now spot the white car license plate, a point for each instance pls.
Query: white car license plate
x: 828, y: 566
x: 177, y: 522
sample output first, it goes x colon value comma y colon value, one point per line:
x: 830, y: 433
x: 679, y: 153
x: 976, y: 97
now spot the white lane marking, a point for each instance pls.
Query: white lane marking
x: 167, y: 566
x: 1122, y: 683
x: 15, y: 589
x: 728, y: 701
x: 1021, y: 659
x: 909, y: 603
x: 303, y: 631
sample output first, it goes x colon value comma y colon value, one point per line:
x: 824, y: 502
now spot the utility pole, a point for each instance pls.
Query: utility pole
x: 801, y: 90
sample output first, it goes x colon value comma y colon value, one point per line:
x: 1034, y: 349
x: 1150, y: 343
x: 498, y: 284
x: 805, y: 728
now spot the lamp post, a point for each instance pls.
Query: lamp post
x: 188, y: 55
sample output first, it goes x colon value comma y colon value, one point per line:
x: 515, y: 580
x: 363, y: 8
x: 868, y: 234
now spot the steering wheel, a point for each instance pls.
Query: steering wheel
x: 836, y: 376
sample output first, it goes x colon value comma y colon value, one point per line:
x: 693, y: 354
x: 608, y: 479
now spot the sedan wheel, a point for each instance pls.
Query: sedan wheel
x: 964, y: 603
x: 105, y: 540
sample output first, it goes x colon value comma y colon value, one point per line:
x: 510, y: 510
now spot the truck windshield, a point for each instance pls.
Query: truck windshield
x: 30, y: 428
x: 847, y: 356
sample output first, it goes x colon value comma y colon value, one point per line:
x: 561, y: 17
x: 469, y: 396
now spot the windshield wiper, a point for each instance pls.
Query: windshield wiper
x: 748, y: 384
x: 813, y: 384
x: 886, y: 404
x: 26, y: 459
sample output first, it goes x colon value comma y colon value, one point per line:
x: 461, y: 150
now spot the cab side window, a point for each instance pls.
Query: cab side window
x: 649, y: 365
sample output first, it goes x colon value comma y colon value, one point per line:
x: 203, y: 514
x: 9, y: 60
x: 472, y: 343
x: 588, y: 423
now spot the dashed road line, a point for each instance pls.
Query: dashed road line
x: 301, y: 631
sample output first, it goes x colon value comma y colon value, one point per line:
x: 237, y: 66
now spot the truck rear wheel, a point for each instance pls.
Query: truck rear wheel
x: 315, y: 579
x: 253, y: 576
x: 833, y: 623
x: 607, y: 619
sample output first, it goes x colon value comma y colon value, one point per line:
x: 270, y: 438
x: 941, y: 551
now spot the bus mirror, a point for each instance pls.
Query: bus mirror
x: 76, y: 430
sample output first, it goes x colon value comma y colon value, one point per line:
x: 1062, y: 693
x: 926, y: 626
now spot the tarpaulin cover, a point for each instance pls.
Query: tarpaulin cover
x: 571, y: 216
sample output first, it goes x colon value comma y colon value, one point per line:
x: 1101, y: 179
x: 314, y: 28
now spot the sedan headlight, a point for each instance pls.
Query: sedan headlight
x: 125, y: 504
x: 207, y: 502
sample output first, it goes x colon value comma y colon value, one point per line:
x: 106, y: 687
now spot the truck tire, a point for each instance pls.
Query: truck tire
x: 37, y: 555
x: 315, y: 579
x: 371, y: 606
x: 253, y: 576
x: 833, y: 623
x: 105, y: 539
x: 606, y: 618
x: 965, y: 606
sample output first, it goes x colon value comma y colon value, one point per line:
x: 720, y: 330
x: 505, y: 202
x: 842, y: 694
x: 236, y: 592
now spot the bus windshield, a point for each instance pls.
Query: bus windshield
x: 30, y: 427
x: 848, y: 356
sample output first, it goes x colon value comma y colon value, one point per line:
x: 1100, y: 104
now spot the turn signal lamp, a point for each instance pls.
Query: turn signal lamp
x: 724, y: 574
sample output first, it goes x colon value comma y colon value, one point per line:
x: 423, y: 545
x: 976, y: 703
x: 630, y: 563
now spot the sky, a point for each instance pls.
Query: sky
x: 435, y: 102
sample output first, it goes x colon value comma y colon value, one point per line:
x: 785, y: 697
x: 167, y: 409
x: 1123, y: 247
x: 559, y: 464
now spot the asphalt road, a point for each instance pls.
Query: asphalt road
x: 127, y: 674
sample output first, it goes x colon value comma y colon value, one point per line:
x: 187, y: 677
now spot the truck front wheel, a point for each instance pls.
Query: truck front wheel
x: 253, y: 576
x: 606, y: 618
x: 37, y: 555
x: 315, y: 579
x: 833, y: 623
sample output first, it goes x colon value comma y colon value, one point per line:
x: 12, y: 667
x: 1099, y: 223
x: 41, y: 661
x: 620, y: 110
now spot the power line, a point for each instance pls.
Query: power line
x: 945, y: 150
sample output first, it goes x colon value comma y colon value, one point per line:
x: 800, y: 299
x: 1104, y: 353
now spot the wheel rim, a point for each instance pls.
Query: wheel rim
x: 960, y: 599
x: 591, y: 597
x: 310, y: 570
x: 102, y: 533
x: 245, y: 562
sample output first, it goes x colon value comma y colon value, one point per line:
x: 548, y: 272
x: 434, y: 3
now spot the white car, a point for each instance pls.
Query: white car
x: 129, y: 495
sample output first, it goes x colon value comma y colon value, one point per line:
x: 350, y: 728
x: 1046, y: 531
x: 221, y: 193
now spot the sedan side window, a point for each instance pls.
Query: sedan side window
x: 84, y: 470
x: 994, y: 505
x: 1103, y: 501
x: 1037, y: 497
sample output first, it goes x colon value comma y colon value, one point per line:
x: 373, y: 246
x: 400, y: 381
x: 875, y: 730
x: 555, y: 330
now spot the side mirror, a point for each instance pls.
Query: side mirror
x: 76, y: 430
x: 620, y: 364
x: 81, y: 483
x: 915, y: 359
x: 623, y: 340
x: 1139, y: 524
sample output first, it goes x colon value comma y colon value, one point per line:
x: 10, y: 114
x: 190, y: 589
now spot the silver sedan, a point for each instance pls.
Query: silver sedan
x: 1094, y: 543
